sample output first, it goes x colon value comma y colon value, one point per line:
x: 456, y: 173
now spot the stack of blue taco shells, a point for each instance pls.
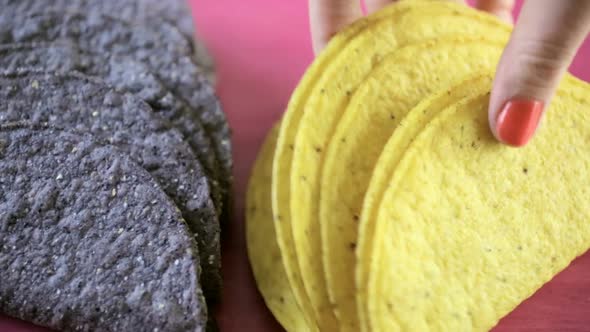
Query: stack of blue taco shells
x: 115, y: 167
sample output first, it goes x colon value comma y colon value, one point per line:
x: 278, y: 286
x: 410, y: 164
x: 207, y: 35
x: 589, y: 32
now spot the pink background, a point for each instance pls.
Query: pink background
x: 262, y: 48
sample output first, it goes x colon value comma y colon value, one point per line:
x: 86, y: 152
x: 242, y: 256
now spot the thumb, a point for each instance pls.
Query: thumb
x: 327, y: 17
x: 543, y: 44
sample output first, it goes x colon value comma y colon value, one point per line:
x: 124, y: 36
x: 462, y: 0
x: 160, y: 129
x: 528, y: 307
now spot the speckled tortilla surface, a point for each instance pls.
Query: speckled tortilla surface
x: 166, y: 53
x: 263, y: 249
x: 90, y: 241
x: 73, y: 101
x: 125, y: 74
x: 459, y: 255
x: 175, y: 12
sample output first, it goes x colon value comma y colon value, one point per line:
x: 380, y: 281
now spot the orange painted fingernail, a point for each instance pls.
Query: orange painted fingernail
x: 518, y: 120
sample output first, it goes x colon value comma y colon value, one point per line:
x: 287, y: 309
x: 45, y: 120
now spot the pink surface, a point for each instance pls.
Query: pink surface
x: 262, y: 48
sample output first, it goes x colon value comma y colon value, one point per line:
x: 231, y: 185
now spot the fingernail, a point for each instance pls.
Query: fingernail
x: 518, y: 120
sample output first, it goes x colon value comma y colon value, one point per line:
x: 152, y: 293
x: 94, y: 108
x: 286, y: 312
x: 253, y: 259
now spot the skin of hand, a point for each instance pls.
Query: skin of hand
x: 543, y: 44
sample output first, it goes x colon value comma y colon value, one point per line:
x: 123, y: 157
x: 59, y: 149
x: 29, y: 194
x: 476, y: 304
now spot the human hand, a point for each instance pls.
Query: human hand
x: 541, y: 47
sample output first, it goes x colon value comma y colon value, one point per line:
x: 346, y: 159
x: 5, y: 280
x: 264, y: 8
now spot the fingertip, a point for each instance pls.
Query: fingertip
x: 500, y: 8
x: 532, y: 65
x: 317, y: 45
x: 505, y: 17
x: 375, y: 5
x: 328, y: 17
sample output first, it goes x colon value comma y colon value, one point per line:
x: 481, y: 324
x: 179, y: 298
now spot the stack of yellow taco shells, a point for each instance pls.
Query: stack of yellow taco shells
x: 382, y: 202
